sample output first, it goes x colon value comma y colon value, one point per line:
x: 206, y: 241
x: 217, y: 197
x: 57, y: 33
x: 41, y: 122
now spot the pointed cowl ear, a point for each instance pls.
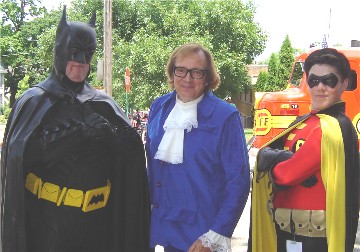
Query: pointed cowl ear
x: 61, y: 37
x: 62, y: 26
x: 63, y: 21
x: 93, y: 20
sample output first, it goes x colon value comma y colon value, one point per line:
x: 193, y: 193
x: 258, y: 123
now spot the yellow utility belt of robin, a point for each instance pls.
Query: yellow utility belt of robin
x: 90, y: 200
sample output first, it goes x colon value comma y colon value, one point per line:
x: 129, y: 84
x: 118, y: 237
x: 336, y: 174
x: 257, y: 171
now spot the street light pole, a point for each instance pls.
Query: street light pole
x: 108, y: 46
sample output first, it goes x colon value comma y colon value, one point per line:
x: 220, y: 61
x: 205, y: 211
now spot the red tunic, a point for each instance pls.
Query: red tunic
x: 305, y: 142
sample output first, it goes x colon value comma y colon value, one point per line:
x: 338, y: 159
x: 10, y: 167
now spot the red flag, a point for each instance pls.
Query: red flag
x: 127, y: 80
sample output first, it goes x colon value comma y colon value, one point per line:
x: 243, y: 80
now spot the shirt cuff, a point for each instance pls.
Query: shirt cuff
x: 216, y: 242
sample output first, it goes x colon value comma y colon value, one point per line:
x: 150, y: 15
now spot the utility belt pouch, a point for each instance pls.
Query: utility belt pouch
x: 74, y: 198
x: 318, y: 221
x: 283, y: 218
x: 50, y: 192
x: 33, y: 183
x: 301, y: 220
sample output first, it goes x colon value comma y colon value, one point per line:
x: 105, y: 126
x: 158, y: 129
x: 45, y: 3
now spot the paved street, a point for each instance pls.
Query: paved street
x: 240, y: 237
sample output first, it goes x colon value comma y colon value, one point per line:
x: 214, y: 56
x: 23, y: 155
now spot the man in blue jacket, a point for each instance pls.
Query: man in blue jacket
x: 197, y: 158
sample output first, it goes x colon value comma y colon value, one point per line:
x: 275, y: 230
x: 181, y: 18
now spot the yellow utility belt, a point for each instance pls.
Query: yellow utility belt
x: 90, y: 200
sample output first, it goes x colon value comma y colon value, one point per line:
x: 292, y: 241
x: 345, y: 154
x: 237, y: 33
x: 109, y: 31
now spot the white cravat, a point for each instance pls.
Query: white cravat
x: 182, y: 116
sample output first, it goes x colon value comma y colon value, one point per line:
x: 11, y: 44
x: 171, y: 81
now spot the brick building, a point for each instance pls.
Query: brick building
x: 245, y: 102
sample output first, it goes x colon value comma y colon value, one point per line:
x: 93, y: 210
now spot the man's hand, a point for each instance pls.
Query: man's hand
x: 198, y: 247
x: 310, y: 182
x: 98, y: 127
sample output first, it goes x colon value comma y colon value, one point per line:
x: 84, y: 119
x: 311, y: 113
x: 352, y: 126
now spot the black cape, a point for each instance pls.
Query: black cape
x: 131, y: 211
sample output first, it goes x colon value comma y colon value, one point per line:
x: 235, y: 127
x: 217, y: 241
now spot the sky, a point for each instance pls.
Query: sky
x: 305, y: 21
x: 51, y: 4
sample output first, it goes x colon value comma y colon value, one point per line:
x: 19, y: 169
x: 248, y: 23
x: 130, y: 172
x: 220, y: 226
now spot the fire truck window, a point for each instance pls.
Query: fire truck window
x: 352, y: 81
x: 297, y: 74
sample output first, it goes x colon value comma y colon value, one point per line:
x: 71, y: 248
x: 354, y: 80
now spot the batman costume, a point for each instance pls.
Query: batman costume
x: 73, y: 174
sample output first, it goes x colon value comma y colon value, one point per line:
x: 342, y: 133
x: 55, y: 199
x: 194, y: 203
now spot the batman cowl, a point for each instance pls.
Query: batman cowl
x: 73, y: 41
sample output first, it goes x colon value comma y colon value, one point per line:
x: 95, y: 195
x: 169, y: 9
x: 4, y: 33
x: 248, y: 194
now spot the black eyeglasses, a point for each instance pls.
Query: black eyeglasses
x: 194, y: 73
x: 330, y: 80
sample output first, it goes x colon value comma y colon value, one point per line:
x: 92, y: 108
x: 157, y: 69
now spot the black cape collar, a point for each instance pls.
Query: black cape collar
x: 56, y: 88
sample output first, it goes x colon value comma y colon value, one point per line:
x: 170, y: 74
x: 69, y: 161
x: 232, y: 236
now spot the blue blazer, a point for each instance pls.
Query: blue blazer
x: 210, y: 188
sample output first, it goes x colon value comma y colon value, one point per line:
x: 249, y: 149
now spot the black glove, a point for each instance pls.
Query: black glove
x: 99, y: 128
x: 310, y: 182
x: 60, y: 137
x: 268, y: 158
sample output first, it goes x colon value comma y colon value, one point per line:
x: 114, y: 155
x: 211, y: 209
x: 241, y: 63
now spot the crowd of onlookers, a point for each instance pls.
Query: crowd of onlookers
x: 139, y: 121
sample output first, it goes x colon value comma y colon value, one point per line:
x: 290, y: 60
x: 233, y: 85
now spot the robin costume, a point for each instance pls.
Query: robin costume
x: 334, y: 189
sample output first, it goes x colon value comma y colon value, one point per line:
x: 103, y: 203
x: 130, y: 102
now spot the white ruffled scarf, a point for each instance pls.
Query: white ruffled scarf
x: 182, y: 116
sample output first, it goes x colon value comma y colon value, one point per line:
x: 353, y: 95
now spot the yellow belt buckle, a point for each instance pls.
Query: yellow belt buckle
x: 74, y: 198
x: 50, y: 192
x: 96, y: 198
x: 33, y: 183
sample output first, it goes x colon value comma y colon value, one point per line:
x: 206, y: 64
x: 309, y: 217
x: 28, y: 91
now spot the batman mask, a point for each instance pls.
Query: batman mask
x: 74, y: 41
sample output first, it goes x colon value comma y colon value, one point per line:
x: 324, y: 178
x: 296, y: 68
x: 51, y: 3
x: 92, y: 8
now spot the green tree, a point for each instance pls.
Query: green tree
x: 262, y: 81
x: 168, y: 24
x: 286, y: 61
x: 273, y: 73
x: 17, y: 39
x: 279, y: 68
x: 144, y: 35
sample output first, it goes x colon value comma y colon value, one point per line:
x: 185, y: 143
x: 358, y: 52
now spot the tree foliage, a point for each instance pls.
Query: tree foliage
x: 262, y: 81
x: 279, y: 69
x: 18, y: 41
x: 144, y: 35
x: 286, y: 61
x: 273, y: 73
